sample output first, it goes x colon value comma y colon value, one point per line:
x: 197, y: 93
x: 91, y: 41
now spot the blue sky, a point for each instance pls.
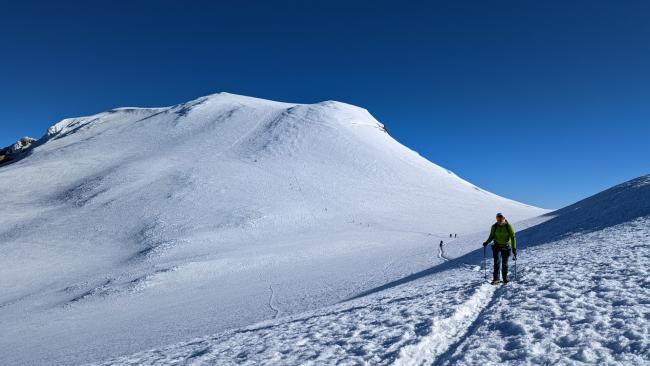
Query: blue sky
x: 545, y: 102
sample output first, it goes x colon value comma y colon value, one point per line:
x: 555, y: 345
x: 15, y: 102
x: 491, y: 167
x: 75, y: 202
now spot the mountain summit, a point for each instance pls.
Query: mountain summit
x: 138, y: 227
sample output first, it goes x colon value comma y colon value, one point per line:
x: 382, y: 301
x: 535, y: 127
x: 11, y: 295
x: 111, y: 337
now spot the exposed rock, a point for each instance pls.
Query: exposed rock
x: 13, y: 152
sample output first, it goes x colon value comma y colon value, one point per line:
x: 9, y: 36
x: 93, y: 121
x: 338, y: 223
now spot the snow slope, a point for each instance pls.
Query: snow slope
x: 139, y: 227
x: 622, y: 203
x: 581, y: 299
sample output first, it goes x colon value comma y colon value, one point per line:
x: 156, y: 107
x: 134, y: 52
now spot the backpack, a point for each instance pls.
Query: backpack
x: 508, y: 227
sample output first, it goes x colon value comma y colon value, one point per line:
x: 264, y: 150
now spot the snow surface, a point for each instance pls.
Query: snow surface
x: 140, y: 227
x: 581, y: 299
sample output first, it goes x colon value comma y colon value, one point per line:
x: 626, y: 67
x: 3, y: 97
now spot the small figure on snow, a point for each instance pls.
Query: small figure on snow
x: 441, y: 244
x: 503, y: 236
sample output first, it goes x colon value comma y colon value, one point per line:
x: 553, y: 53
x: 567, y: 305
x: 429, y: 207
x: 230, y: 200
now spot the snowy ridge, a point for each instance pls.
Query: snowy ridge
x: 613, y: 206
x: 71, y: 125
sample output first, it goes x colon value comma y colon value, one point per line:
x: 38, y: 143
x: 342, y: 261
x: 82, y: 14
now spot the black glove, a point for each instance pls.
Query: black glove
x: 514, y: 252
x: 485, y: 244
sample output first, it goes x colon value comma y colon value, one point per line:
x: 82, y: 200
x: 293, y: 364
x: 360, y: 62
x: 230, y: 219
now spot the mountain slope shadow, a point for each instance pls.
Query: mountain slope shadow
x: 616, y: 205
x: 619, y: 204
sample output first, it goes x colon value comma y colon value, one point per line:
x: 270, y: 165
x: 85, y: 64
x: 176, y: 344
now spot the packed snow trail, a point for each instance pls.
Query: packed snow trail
x: 271, y: 300
x: 583, y: 299
x: 370, y: 330
x: 441, y: 250
x: 446, y: 331
x: 441, y: 253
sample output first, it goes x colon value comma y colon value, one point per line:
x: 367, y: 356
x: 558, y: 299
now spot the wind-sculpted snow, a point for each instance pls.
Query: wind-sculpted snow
x: 139, y: 227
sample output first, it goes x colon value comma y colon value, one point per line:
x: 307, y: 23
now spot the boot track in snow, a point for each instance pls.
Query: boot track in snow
x: 441, y: 253
x: 275, y: 310
x: 448, y: 331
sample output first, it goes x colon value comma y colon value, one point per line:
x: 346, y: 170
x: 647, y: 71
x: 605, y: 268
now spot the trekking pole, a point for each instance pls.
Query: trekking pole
x: 484, y: 265
x: 516, y: 260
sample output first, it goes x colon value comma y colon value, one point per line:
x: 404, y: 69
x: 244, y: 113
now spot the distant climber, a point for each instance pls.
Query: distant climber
x: 450, y: 235
x: 455, y: 235
x: 441, y: 244
x: 503, y: 236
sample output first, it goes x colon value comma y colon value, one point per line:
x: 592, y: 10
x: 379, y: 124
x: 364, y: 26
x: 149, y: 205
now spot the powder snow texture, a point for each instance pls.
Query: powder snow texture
x: 135, y: 228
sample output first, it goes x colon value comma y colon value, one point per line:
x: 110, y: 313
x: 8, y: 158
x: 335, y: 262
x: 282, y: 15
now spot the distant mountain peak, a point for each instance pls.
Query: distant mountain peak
x: 14, y: 152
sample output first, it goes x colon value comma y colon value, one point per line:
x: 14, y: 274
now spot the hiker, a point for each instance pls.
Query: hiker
x: 441, y: 244
x: 450, y: 235
x: 455, y: 235
x: 503, y: 236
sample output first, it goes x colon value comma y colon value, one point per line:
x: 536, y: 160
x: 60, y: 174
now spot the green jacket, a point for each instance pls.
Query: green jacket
x: 503, y: 234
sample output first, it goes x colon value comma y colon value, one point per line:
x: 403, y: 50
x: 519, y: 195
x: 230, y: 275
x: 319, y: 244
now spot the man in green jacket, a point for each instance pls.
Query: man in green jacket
x: 503, y: 236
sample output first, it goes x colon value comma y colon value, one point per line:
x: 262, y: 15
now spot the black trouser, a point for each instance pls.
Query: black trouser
x: 501, y: 253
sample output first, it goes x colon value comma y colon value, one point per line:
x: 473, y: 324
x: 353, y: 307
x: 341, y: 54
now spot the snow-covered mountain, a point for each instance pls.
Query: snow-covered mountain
x: 578, y: 299
x: 619, y: 204
x: 16, y: 151
x: 139, y: 227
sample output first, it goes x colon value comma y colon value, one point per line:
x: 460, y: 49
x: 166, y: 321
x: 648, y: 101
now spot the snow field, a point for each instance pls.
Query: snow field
x: 582, y: 299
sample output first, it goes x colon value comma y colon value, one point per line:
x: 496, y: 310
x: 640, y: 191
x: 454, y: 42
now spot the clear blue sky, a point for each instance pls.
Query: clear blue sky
x: 545, y: 102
